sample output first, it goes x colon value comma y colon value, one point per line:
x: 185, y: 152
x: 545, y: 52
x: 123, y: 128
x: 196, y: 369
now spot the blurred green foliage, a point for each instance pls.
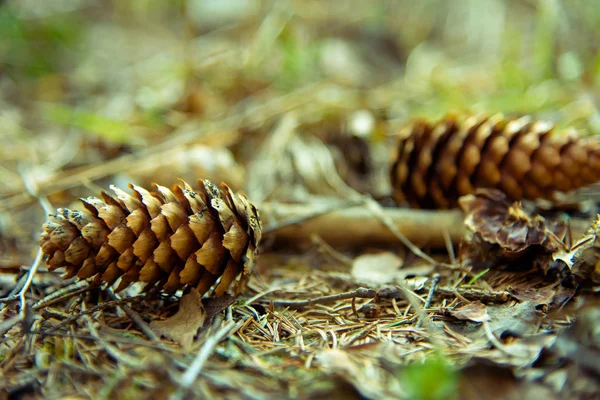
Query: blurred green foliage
x: 35, y: 47
x: 433, y: 379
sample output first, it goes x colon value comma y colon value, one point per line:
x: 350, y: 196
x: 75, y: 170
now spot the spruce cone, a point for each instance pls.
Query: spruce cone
x: 167, y: 239
x: 437, y: 163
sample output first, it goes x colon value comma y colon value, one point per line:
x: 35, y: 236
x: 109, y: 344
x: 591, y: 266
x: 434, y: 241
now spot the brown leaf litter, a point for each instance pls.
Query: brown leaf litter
x: 184, y: 325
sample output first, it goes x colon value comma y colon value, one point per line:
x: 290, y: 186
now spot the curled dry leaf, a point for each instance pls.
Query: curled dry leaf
x: 183, y: 326
x: 503, y: 230
x: 475, y: 311
x: 583, y: 259
x: 492, y: 217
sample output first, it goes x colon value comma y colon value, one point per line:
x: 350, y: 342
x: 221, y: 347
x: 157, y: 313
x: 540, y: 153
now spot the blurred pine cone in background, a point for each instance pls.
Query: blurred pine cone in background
x: 169, y: 239
x: 439, y: 162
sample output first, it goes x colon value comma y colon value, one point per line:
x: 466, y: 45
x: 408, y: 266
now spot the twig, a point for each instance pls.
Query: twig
x: 101, y: 306
x: 434, y: 281
x: 135, y: 317
x: 493, y: 340
x: 329, y: 251
x: 376, y: 209
x: 61, y: 294
x: 14, y: 294
x: 191, y: 374
x: 120, y: 356
x: 9, y: 323
x: 21, y: 295
x: 32, y: 189
x: 362, y: 293
x: 468, y: 294
x: 360, y: 225
x: 476, y: 294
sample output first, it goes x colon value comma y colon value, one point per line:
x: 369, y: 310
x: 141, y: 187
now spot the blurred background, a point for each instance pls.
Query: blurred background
x: 285, y: 100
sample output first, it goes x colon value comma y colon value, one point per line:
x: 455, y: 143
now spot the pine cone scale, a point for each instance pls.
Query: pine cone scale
x: 169, y: 239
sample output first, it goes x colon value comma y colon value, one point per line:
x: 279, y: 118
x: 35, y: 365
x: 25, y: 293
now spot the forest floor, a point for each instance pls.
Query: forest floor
x: 297, y: 104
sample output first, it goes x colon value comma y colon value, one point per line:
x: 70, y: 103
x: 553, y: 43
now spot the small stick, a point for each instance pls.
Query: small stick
x: 362, y: 293
x: 359, y: 226
x: 376, y: 209
x: 120, y: 356
x: 468, y: 294
x: 21, y: 295
x: 191, y: 374
x: 327, y: 250
x: 98, y: 307
x: 135, y: 317
x: 61, y: 294
x: 14, y: 294
x: 32, y: 189
x: 449, y: 247
x: 476, y: 294
x: 434, y: 282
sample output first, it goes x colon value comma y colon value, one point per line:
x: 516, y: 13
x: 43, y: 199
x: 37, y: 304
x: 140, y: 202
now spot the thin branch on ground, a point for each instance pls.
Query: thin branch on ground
x: 61, y: 294
x: 135, y: 317
x: 377, y: 210
x: 362, y: 293
x: 434, y: 281
x: 191, y: 374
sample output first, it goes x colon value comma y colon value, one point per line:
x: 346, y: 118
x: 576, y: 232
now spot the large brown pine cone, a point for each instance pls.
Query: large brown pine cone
x: 439, y: 162
x: 169, y: 239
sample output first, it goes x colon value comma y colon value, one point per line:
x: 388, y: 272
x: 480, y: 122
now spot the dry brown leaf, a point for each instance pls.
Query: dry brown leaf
x: 502, y: 231
x: 536, y: 296
x: 214, y: 305
x: 475, y: 311
x: 496, y: 220
x: 183, y: 326
x: 378, y: 268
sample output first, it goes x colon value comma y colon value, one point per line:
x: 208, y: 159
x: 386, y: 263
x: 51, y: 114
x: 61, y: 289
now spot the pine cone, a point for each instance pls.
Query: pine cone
x: 437, y: 163
x: 167, y: 239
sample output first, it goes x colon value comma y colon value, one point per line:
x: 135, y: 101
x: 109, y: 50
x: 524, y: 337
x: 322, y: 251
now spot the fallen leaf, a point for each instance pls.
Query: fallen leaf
x: 536, y: 296
x: 516, y: 320
x: 475, y: 311
x: 490, y: 215
x: 501, y: 231
x: 378, y: 268
x: 183, y: 326
x: 214, y: 305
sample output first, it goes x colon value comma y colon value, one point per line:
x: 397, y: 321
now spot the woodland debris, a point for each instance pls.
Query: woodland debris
x: 439, y: 162
x: 183, y: 326
x: 356, y: 225
x: 583, y: 258
x: 294, y: 225
x: 169, y: 239
x: 501, y: 230
x: 475, y: 312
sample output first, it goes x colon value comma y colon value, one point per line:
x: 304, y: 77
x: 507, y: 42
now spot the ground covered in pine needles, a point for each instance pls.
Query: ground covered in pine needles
x: 296, y: 105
